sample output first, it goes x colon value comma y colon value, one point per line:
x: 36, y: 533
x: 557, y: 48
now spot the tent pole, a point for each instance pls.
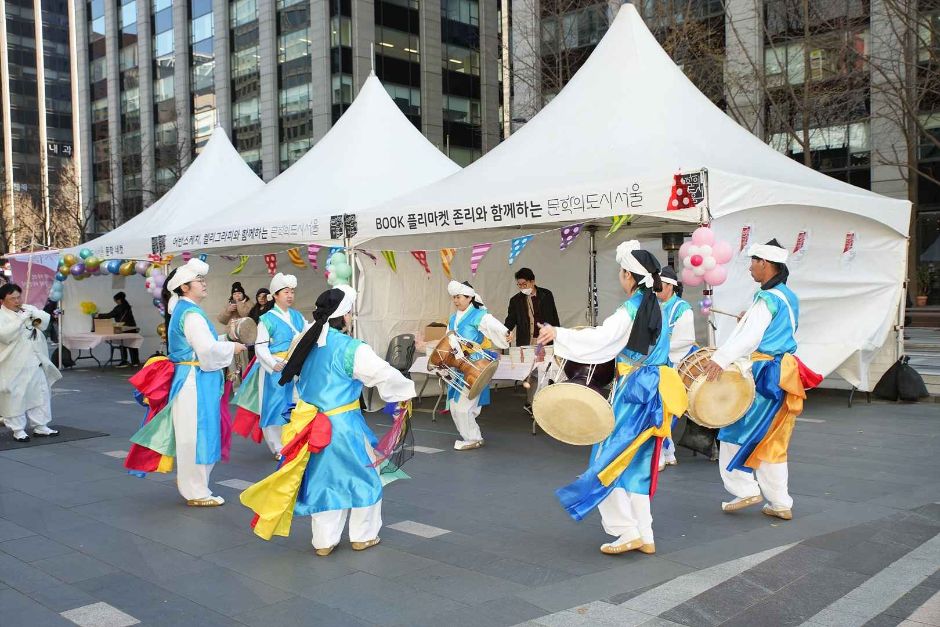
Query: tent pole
x: 592, y: 275
x: 899, y: 327
x: 351, y: 256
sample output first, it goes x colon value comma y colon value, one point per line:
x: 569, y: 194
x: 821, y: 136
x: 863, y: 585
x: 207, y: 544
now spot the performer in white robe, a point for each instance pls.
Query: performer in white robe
x: 191, y: 423
x: 680, y: 324
x: 26, y: 373
x: 472, y: 322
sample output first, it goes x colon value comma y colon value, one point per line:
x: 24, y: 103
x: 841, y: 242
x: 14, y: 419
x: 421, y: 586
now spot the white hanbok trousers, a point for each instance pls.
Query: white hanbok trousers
x: 40, y: 414
x: 272, y: 437
x: 465, y: 412
x: 364, y: 525
x: 627, y: 514
x: 769, y: 479
x: 192, y: 479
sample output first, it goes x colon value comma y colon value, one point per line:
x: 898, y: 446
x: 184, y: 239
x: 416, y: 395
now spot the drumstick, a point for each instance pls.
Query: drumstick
x: 725, y: 313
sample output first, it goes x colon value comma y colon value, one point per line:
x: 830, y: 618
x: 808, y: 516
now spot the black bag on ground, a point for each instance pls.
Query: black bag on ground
x: 67, y: 361
x: 901, y: 383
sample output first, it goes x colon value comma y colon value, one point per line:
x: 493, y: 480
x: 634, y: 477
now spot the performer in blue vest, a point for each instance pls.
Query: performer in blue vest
x: 752, y: 456
x: 261, y: 400
x: 189, y: 427
x: 472, y: 322
x: 331, y: 468
x: 679, y: 323
x: 623, y: 470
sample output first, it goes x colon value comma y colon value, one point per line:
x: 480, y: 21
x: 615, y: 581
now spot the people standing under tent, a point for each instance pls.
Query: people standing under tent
x: 471, y: 321
x: 263, y: 302
x: 190, y: 379
x: 262, y: 402
x: 124, y: 314
x: 679, y: 322
x: 752, y: 454
x: 26, y: 373
x: 529, y: 308
x: 333, y: 464
x: 623, y: 470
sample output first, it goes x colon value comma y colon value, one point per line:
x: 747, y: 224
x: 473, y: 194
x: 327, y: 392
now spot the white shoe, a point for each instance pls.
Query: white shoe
x: 20, y: 436
x: 467, y: 445
x: 622, y: 545
x: 209, y: 501
x: 44, y: 431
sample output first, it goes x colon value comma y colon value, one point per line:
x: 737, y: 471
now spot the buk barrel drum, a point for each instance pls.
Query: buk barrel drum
x: 718, y: 403
x: 463, y: 365
x: 576, y: 411
x: 243, y: 330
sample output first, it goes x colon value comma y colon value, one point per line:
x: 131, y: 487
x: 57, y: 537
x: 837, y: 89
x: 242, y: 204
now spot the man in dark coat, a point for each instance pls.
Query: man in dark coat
x: 532, y: 306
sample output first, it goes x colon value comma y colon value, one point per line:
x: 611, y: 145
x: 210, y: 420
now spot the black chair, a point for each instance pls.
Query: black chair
x: 400, y: 355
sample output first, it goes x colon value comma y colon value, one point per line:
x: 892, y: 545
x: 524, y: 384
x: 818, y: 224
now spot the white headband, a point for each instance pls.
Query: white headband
x: 668, y: 280
x: 631, y: 264
x: 456, y: 288
x: 193, y: 269
x: 349, y: 299
x: 768, y: 252
x: 280, y: 281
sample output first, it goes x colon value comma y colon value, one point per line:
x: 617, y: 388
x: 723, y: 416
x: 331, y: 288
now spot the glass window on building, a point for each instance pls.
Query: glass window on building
x: 459, y: 59
x: 407, y: 98
x: 465, y: 11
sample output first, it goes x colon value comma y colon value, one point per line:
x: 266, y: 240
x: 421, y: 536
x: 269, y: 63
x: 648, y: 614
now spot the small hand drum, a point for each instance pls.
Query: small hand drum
x: 576, y: 411
x: 463, y: 365
x: 719, y: 403
x: 243, y: 330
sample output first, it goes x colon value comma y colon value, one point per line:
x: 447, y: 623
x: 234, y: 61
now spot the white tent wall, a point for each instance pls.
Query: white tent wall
x: 848, y: 307
x: 101, y: 290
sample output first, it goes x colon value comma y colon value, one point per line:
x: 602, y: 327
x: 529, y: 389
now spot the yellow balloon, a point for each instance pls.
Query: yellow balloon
x: 161, y: 331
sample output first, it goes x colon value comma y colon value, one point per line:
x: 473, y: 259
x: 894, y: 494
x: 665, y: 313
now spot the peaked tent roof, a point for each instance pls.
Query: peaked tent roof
x: 629, y: 117
x: 215, y: 178
x: 371, y: 154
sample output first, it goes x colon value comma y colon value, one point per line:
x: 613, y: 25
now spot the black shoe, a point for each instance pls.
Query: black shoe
x: 527, y: 408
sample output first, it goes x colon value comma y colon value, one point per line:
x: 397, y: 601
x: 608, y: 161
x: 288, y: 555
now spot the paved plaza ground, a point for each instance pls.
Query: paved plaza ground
x: 476, y: 538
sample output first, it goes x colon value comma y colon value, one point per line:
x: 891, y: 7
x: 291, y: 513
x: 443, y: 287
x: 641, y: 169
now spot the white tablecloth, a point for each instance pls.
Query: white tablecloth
x: 87, y: 341
x: 506, y: 371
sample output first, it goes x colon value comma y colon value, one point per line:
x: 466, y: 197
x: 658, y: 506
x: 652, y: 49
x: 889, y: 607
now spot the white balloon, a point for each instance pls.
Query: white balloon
x: 694, y: 250
x: 709, y: 263
x: 705, y: 251
x: 698, y: 271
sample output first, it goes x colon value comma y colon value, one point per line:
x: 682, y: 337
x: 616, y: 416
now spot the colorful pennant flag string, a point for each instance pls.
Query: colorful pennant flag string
x: 270, y: 260
x: 203, y: 257
x: 618, y: 221
x: 312, y: 251
x: 390, y: 258
x: 679, y: 198
x: 476, y: 256
x: 186, y: 256
x: 447, y: 255
x: 517, y: 245
x: 569, y: 234
x: 422, y: 257
x: 243, y: 260
x: 295, y: 257
x: 368, y: 254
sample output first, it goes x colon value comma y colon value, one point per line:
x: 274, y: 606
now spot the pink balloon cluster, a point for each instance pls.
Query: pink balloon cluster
x: 703, y: 258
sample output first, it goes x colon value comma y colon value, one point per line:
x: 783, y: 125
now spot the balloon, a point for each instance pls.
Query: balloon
x: 161, y: 331
x: 141, y: 267
x: 706, y: 311
x: 336, y: 258
x: 78, y: 269
x: 696, y: 260
x: 689, y: 278
x: 333, y: 280
x: 112, y: 266
x: 80, y: 277
x: 158, y: 280
x: 716, y: 276
x: 705, y: 251
x: 709, y: 263
x: 55, y: 297
x: 92, y: 263
x: 85, y: 253
x: 60, y: 276
x: 703, y: 236
x: 127, y: 268
x: 684, y: 250
x: 698, y: 271
x: 722, y: 252
x: 344, y: 272
x: 706, y: 302
x: 157, y: 302
x: 150, y: 271
x: 64, y: 269
x: 69, y: 260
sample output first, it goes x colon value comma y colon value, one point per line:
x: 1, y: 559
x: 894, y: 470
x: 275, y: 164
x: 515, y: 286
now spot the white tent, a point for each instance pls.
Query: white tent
x: 216, y: 178
x: 371, y: 154
x: 609, y: 144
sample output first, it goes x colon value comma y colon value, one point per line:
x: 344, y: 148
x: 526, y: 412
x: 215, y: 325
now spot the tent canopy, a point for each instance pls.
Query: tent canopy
x: 371, y: 154
x: 609, y: 143
x: 215, y: 178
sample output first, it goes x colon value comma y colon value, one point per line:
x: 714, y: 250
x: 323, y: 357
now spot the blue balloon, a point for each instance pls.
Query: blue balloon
x: 113, y: 266
x: 60, y: 277
x: 157, y: 302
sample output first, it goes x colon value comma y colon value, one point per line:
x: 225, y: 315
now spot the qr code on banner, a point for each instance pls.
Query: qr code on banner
x: 158, y: 244
x: 336, y: 227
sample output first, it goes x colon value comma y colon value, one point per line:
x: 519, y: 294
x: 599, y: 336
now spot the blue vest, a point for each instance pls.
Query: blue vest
x: 326, y: 379
x: 280, y: 332
x: 208, y: 385
x: 469, y: 328
x: 784, y: 306
x: 659, y: 352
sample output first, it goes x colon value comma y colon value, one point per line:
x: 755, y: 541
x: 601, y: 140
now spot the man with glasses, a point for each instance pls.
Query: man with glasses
x: 528, y: 309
